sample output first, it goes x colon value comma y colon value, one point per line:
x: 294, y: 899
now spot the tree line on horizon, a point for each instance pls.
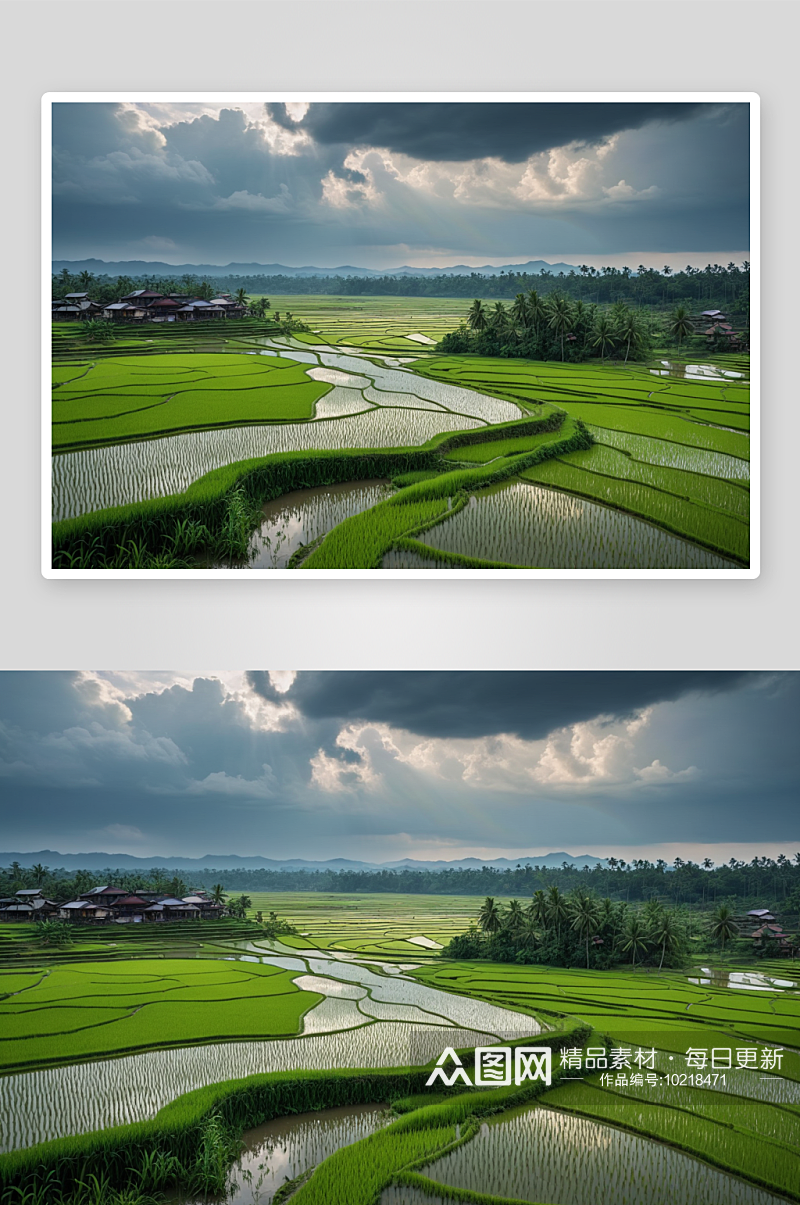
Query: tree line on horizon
x: 715, y: 286
x: 767, y: 882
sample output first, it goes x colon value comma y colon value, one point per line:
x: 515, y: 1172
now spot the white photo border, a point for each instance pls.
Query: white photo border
x: 750, y: 98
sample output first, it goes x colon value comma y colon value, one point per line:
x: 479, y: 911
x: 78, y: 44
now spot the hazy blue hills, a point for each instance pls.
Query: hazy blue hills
x: 141, y: 267
x: 102, y: 861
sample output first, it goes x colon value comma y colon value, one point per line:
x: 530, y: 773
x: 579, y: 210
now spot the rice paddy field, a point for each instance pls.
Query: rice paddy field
x: 121, y: 1028
x: 659, y: 478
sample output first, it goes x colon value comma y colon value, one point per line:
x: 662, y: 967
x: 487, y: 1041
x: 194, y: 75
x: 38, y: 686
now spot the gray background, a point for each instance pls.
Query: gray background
x: 180, y: 45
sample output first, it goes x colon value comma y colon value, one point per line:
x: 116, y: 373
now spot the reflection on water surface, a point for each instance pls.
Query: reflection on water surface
x: 283, y: 1149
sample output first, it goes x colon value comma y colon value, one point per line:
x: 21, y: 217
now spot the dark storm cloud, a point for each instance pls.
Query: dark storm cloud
x: 171, y: 182
x: 455, y: 132
x: 199, y: 767
x: 528, y: 704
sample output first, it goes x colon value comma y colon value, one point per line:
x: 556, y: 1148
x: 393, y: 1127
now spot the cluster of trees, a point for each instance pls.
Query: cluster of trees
x: 767, y: 882
x: 556, y: 328
x: 553, y: 328
x: 578, y: 928
x: 715, y: 286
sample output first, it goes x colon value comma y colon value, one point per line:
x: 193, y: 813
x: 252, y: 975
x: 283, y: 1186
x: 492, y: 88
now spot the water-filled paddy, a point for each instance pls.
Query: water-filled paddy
x: 695, y: 372
x: 523, y: 524
x: 283, y: 1149
x: 302, y: 516
x: 542, y: 1155
x: 94, y: 478
x: 52, y: 1102
x: 402, y: 410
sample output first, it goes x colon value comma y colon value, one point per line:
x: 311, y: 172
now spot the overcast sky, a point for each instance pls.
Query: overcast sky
x: 382, y: 185
x: 387, y: 765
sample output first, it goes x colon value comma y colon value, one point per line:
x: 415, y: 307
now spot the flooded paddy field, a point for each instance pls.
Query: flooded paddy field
x: 296, y: 519
x: 285, y: 1148
x: 365, y: 1019
x: 542, y: 1155
x: 527, y: 524
x: 670, y: 459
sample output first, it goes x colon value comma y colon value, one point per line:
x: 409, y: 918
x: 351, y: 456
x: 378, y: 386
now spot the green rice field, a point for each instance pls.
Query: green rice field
x: 128, y: 1024
x: 659, y: 478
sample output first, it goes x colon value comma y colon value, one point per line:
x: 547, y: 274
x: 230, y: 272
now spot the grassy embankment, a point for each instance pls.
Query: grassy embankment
x: 661, y: 449
x: 223, y: 506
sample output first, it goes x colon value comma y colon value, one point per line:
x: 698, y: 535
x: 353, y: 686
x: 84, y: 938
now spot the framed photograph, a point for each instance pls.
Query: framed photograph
x: 388, y: 937
x: 414, y: 334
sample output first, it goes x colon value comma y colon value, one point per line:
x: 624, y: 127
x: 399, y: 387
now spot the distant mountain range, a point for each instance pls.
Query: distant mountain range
x: 104, y: 861
x: 142, y: 267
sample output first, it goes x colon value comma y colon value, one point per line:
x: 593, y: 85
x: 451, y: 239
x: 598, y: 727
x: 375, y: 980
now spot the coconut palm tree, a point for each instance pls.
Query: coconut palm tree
x: 634, y: 937
x: 537, y: 908
x: 559, y: 317
x: 584, y: 914
x: 536, y: 309
x: 520, y: 313
x: 604, y: 337
x: 665, y: 933
x: 531, y: 933
x: 630, y: 332
x: 723, y: 926
x: 680, y: 325
x: 498, y: 319
x: 556, y: 909
x: 218, y: 893
x: 476, y: 318
x: 489, y: 919
x: 513, y: 917
x: 241, y: 298
x: 39, y: 873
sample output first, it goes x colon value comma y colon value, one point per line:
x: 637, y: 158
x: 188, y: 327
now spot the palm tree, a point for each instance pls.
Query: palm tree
x: 489, y: 919
x: 536, y: 310
x: 531, y: 933
x: 723, y: 926
x: 584, y: 915
x: 514, y: 917
x: 242, y: 298
x: 520, y: 312
x: 537, y: 908
x: 559, y: 317
x: 630, y: 331
x: 634, y: 937
x: 604, y: 337
x: 665, y: 933
x: 680, y: 325
x: 476, y: 318
x: 218, y: 893
x: 498, y: 319
x: 556, y: 909
x: 39, y: 873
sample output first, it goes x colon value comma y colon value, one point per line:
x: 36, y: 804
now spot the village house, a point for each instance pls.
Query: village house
x: 147, y: 305
x: 111, y: 905
x: 28, y: 904
x: 767, y: 934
